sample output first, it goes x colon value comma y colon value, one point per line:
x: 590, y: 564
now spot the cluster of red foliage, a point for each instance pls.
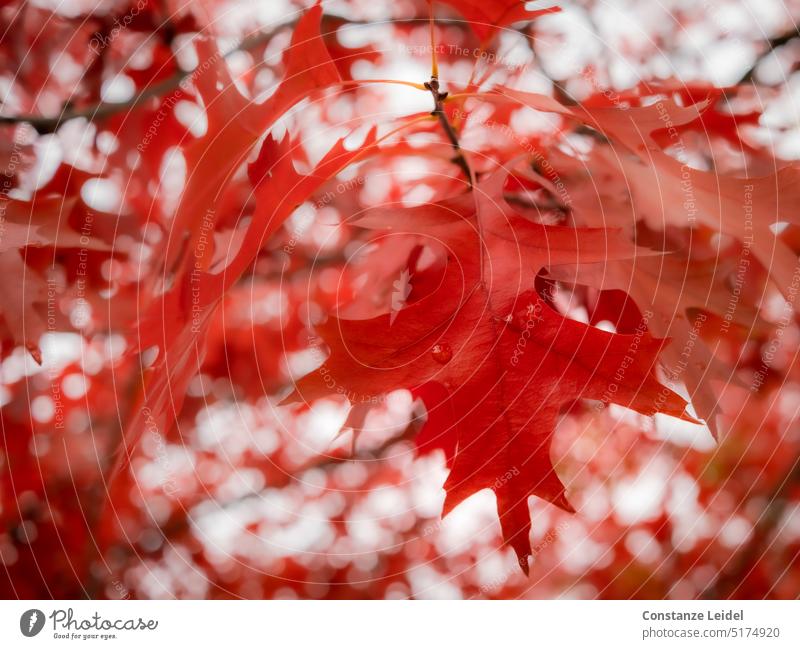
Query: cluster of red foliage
x: 261, y: 299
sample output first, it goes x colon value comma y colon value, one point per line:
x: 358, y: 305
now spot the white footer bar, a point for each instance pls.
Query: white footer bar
x: 399, y: 624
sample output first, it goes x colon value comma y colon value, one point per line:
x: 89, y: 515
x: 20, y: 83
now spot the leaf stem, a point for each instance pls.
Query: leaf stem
x: 434, y: 63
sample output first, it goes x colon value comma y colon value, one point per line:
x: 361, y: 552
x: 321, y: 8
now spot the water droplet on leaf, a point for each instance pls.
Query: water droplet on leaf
x: 442, y: 353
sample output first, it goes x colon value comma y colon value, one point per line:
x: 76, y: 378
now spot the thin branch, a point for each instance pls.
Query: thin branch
x: 183, y: 519
x: 447, y: 127
x: 729, y: 580
x: 102, y: 110
x: 772, y: 45
x: 44, y: 124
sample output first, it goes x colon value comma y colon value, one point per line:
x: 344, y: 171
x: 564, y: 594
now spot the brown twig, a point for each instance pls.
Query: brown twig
x: 182, y: 520
x: 447, y: 127
x: 729, y: 580
x: 772, y: 45
x: 44, y: 124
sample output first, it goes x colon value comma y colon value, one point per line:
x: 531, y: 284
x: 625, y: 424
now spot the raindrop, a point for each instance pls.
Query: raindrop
x: 442, y: 353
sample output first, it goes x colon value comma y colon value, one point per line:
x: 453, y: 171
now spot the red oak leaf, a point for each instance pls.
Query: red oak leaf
x: 667, y: 190
x: 177, y: 324
x: 492, y: 361
x: 235, y: 122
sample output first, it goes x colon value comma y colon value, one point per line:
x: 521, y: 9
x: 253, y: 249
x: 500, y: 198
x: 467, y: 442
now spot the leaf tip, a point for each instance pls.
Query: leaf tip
x: 35, y: 352
x: 524, y: 563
